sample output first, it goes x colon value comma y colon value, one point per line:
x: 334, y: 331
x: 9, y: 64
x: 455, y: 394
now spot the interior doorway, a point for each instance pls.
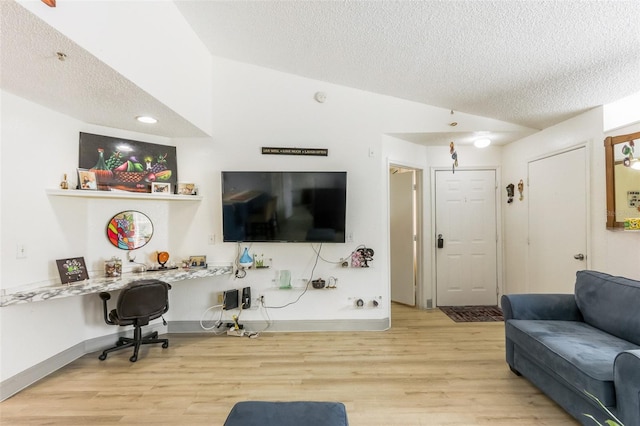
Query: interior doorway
x: 466, y: 237
x: 405, y: 233
x: 558, y: 221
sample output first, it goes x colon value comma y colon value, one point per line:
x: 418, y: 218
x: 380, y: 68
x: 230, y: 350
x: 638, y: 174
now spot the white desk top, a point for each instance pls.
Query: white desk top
x: 96, y: 285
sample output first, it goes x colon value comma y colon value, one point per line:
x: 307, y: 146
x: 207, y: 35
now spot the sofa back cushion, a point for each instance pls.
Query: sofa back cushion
x: 609, y: 303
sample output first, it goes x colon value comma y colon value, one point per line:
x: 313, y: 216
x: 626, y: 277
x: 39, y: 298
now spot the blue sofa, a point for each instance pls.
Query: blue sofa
x: 570, y: 344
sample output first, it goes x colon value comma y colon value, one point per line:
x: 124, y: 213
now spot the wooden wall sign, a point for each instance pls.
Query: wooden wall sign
x: 318, y: 152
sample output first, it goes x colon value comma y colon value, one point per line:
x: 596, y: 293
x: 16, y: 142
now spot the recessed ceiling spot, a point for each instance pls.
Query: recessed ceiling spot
x: 146, y: 119
x: 482, y: 142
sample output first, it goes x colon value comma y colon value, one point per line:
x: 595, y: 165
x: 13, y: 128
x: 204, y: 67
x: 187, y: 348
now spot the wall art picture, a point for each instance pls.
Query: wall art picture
x: 72, y: 270
x: 129, y: 230
x: 127, y: 165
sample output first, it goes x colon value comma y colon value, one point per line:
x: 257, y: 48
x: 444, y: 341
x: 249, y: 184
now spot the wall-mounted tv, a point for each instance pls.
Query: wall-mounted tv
x: 284, y: 206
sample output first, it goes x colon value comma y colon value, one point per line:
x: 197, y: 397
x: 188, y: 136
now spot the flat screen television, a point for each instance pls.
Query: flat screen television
x: 284, y: 206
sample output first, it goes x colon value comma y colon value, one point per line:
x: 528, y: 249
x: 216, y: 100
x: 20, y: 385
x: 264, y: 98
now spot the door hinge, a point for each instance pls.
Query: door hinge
x: 415, y: 238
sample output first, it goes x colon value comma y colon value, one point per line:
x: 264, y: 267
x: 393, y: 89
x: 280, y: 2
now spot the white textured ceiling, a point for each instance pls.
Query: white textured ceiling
x: 533, y: 63
x: 81, y: 86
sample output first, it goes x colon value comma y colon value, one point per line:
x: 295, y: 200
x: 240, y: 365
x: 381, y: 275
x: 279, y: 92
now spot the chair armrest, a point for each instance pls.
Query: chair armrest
x: 626, y: 377
x: 106, y: 296
x: 559, y: 307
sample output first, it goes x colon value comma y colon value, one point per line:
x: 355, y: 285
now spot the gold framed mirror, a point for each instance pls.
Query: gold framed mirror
x: 622, y: 165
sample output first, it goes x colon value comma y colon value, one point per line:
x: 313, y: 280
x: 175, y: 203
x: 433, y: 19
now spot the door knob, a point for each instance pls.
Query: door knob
x: 578, y: 256
x: 440, y: 241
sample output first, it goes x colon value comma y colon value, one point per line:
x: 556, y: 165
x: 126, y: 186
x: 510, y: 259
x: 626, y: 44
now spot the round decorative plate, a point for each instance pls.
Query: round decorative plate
x: 129, y: 230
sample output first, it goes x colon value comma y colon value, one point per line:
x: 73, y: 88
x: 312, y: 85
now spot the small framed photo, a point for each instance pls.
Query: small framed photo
x: 186, y: 189
x: 87, y: 180
x: 161, y: 188
x: 72, y: 270
x: 197, y: 261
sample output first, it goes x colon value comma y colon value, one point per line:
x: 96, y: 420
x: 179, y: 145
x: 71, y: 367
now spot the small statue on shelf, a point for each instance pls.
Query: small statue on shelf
x: 64, y: 184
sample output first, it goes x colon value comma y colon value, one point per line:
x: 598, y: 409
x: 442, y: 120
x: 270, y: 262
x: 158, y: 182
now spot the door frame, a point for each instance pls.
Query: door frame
x: 420, y: 239
x: 499, y: 226
x: 587, y: 179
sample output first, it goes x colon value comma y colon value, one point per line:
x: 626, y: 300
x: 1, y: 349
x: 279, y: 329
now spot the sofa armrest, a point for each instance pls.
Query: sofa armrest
x: 560, y: 307
x: 626, y: 377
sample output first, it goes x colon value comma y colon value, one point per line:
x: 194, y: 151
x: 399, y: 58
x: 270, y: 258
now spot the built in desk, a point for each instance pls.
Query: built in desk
x: 96, y: 285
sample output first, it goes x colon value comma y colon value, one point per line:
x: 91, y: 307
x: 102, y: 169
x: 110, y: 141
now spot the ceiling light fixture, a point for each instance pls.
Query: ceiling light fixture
x: 50, y: 3
x: 482, y: 142
x: 146, y: 119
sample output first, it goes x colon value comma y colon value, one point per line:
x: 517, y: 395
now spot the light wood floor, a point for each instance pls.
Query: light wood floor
x: 426, y: 370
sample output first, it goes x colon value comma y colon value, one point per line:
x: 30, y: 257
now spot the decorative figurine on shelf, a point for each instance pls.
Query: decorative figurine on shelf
x: 64, y: 184
x: 361, y: 257
x: 521, y: 189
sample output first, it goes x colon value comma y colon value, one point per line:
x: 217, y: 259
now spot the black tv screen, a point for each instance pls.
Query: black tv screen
x: 284, y: 206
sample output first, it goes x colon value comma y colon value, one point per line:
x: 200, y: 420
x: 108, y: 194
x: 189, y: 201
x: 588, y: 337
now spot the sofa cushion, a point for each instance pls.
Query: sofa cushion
x: 579, y: 354
x: 609, y: 303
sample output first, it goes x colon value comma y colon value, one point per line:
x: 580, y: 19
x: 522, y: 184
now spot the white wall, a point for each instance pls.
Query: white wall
x: 253, y: 107
x: 609, y: 251
x: 38, y: 146
x: 620, y: 250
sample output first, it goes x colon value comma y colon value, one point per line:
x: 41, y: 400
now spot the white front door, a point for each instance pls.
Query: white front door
x: 557, y: 221
x: 466, y: 264
x: 402, y: 232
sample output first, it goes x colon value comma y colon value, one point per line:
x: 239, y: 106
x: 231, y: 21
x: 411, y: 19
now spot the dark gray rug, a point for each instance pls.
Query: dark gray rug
x: 473, y: 313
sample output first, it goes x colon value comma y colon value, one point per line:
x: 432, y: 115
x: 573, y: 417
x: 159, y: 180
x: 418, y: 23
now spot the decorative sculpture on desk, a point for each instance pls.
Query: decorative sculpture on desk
x: 163, y: 258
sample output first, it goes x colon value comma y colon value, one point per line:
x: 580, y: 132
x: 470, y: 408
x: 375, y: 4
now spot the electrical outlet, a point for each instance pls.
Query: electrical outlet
x: 220, y: 298
x: 21, y: 251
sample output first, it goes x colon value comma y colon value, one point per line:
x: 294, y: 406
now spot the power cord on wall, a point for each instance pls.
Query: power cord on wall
x: 306, y: 287
x: 342, y: 260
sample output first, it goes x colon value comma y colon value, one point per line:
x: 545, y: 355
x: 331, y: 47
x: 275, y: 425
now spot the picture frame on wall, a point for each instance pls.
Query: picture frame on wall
x: 127, y: 165
x: 186, y: 188
x: 87, y: 180
x: 160, y: 188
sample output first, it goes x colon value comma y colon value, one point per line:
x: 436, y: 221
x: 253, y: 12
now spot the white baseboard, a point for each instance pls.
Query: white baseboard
x: 292, y: 326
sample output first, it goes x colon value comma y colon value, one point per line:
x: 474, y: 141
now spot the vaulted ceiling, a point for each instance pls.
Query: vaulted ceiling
x: 532, y: 63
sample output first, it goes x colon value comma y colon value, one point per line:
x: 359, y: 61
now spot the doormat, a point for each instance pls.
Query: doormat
x: 473, y: 313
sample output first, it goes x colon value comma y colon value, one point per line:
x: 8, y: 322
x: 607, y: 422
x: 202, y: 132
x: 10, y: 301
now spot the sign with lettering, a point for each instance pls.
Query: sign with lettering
x: 319, y: 152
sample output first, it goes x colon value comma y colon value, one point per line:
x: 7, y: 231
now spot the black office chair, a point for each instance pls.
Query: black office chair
x: 139, y: 302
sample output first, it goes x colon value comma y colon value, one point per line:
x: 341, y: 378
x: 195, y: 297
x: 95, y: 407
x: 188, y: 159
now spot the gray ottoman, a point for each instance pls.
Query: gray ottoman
x: 297, y: 413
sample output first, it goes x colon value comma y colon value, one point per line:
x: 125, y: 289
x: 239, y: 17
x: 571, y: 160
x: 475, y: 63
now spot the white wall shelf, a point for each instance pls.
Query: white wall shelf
x: 121, y: 194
